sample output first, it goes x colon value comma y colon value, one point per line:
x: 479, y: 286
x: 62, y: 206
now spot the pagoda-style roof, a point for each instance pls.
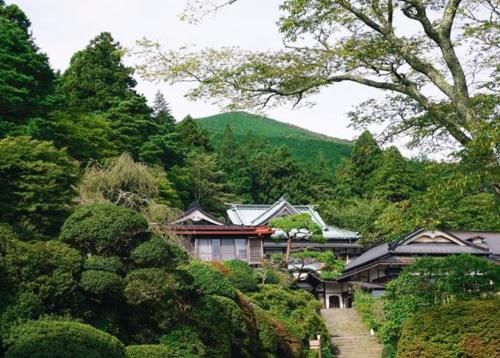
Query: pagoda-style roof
x: 261, y: 214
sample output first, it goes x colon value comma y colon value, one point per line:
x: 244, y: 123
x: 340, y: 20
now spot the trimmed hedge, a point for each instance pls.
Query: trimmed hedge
x: 100, y: 263
x: 61, y: 339
x: 149, y: 351
x: 208, y: 280
x: 104, y: 229
x: 101, y: 283
x: 459, y: 329
x: 241, y: 275
x: 184, y: 342
x: 156, y: 252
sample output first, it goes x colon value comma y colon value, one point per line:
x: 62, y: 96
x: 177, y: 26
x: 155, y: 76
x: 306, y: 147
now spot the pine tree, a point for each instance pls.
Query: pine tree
x: 26, y: 79
x: 97, y: 78
x: 161, y: 111
x: 193, y: 136
x: 392, y: 179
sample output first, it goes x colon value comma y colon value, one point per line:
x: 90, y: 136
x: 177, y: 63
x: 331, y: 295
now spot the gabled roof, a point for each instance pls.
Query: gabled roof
x: 248, y: 214
x: 423, y: 242
x: 196, y: 215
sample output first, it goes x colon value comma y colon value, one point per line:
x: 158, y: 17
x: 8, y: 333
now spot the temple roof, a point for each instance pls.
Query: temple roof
x: 424, y: 243
x: 248, y: 214
x: 196, y: 215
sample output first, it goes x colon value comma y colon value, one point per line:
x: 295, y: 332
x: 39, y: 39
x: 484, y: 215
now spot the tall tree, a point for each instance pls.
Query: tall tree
x: 97, y: 78
x: 193, y: 136
x: 161, y: 110
x: 36, y: 184
x: 26, y: 79
x: 362, y: 42
x: 392, y: 179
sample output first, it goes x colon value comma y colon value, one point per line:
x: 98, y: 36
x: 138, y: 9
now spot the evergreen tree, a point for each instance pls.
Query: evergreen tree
x: 192, y: 136
x: 26, y: 79
x: 392, y: 179
x: 161, y: 111
x: 96, y: 78
x: 365, y: 158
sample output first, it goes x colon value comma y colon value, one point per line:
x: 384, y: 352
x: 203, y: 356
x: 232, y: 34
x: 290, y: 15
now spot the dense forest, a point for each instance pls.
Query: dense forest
x: 88, y: 168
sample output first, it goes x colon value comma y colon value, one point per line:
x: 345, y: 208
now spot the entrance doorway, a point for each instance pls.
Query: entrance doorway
x: 334, y: 301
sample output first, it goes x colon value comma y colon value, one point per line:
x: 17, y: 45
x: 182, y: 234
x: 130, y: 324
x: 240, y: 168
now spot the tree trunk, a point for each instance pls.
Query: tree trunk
x: 288, y: 250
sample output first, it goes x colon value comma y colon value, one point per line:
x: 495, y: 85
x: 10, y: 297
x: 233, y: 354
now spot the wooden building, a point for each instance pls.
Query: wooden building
x: 213, y: 240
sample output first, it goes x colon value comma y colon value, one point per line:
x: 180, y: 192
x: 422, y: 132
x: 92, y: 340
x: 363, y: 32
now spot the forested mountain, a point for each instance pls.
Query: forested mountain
x: 305, y: 146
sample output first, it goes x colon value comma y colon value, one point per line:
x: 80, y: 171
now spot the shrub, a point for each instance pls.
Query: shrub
x: 100, y: 263
x: 369, y: 308
x: 150, y: 286
x: 101, y: 283
x: 156, y: 252
x: 241, y: 275
x: 104, y: 229
x: 459, y: 329
x: 184, y: 342
x: 209, y: 280
x: 61, y: 339
x: 149, y: 351
x: 266, y: 330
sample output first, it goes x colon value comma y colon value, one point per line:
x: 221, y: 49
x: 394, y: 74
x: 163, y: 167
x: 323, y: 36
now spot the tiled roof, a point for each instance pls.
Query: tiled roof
x: 244, y: 214
x: 404, y: 247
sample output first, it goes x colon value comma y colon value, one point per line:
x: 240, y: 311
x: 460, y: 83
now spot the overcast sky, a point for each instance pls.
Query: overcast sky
x: 61, y: 27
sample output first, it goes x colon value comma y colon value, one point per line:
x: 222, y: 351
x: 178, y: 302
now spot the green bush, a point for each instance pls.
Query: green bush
x: 369, y: 308
x: 100, y: 263
x: 156, y: 252
x: 459, y: 329
x: 61, y: 339
x: 184, y: 342
x: 209, y: 280
x: 241, y: 275
x: 101, y: 283
x: 150, y: 286
x: 297, y: 309
x: 149, y: 351
x: 104, y: 229
x: 266, y: 330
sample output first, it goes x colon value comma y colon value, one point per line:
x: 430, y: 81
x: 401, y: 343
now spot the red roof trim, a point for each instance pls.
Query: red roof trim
x: 221, y: 230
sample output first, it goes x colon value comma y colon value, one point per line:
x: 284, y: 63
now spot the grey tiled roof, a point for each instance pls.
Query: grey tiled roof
x: 463, y: 245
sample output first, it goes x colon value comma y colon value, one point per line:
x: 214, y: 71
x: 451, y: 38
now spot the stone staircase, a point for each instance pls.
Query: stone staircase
x: 350, y: 337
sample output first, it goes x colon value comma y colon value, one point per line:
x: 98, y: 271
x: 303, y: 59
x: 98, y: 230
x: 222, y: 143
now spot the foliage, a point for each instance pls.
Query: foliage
x: 304, y: 146
x: 468, y: 329
x: 26, y: 79
x: 369, y: 308
x: 184, y: 342
x: 209, y: 280
x: 101, y: 263
x: 241, y: 275
x: 104, y: 229
x: 124, y: 182
x: 36, y: 182
x: 435, y: 281
x: 296, y: 309
x: 330, y: 269
x: 148, y: 350
x: 58, y: 339
x: 101, y: 283
x: 156, y: 252
x: 150, y: 285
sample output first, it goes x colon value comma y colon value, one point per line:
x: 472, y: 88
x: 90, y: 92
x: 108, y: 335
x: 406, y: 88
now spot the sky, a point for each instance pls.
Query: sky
x: 62, y: 27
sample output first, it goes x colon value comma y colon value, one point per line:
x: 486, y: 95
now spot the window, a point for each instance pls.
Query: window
x: 205, y: 249
x: 240, y: 246
x: 227, y: 249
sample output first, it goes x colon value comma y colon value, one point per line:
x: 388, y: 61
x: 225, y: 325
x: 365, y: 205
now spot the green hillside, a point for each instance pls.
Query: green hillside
x: 305, y: 145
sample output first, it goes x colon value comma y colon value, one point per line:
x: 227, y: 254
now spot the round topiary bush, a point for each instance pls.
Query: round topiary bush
x: 61, y: 339
x: 156, y: 252
x: 149, y: 351
x: 241, y: 275
x: 104, y: 229
x: 459, y: 329
x: 100, y: 263
x: 209, y: 280
x: 101, y: 283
